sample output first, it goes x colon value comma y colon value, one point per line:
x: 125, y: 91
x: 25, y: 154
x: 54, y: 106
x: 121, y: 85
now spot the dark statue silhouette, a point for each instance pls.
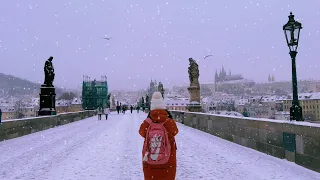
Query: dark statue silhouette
x: 47, y: 91
x: 49, y: 73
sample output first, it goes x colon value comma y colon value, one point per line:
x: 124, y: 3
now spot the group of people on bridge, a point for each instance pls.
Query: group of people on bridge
x: 101, y: 111
x: 120, y: 109
x: 123, y: 108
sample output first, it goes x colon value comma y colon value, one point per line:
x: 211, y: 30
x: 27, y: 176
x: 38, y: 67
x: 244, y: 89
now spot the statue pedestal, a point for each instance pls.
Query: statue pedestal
x: 194, y: 105
x: 194, y: 93
x: 47, y: 101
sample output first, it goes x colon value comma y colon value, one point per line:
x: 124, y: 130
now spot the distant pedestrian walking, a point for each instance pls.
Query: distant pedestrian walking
x: 99, y: 113
x: 124, y: 108
x: 138, y: 108
x: 118, y: 109
x: 106, y: 112
x: 131, y: 108
x: 159, y: 149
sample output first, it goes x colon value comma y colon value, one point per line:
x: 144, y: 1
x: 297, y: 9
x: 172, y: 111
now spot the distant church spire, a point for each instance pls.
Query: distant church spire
x: 216, y: 77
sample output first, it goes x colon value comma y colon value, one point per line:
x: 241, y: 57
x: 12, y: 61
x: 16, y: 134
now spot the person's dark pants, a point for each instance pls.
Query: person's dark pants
x: 131, y: 111
x: 106, y: 116
x: 118, y: 111
x: 138, y: 110
x: 99, y: 116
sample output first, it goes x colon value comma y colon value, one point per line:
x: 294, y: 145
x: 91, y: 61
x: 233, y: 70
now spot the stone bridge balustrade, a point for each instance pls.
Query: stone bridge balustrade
x: 20, y: 127
x: 298, y: 142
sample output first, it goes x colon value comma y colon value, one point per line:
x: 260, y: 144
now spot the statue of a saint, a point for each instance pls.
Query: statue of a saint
x: 108, y: 100
x: 49, y: 72
x: 147, y: 101
x: 193, y: 71
x: 160, y: 87
x: 113, y: 102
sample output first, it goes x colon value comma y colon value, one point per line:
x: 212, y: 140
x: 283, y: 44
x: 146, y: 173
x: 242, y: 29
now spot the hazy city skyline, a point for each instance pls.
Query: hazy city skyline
x: 154, y: 40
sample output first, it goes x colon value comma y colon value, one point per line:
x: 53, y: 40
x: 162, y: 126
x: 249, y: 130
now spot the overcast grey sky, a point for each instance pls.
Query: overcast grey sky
x: 154, y: 39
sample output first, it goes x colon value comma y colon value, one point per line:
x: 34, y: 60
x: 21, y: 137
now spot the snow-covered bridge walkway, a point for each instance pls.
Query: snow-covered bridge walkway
x: 111, y: 150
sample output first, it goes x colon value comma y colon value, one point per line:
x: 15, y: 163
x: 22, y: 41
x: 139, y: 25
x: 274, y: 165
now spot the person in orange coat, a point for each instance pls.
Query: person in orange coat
x: 159, y: 114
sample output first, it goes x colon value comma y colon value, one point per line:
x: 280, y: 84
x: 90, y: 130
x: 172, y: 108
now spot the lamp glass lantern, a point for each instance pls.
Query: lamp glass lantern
x: 292, y: 33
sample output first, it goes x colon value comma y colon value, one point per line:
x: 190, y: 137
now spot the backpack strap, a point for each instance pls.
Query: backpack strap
x: 148, y: 120
x: 165, y: 121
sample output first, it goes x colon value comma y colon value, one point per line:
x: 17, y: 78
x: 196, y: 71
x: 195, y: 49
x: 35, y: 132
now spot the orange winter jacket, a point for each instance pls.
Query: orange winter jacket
x: 168, y: 170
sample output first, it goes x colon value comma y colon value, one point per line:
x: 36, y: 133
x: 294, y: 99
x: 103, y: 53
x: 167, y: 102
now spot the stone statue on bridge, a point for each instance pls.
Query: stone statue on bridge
x: 147, y: 102
x: 160, y: 87
x: 108, y: 100
x: 113, y: 102
x: 193, y: 71
x: 47, y: 91
x: 49, y: 73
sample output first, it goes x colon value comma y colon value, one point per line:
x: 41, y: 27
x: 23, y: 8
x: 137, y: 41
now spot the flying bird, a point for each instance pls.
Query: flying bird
x: 207, y: 56
x: 107, y: 38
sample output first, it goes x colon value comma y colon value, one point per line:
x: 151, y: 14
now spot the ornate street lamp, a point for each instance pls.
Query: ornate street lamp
x: 292, y: 33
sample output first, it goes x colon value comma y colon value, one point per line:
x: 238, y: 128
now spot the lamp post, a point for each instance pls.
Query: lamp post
x: 292, y: 31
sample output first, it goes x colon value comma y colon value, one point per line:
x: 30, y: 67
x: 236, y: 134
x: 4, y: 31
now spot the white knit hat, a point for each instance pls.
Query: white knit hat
x: 157, y: 101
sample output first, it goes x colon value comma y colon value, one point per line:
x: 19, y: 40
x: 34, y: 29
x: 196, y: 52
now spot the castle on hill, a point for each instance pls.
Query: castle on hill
x: 224, y: 77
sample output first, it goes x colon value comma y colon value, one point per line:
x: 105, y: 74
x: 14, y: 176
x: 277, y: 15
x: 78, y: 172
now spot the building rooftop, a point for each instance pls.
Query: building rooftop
x: 305, y: 96
x: 177, y: 102
x: 241, y: 101
x: 63, y: 103
x: 272, y: 98
x: 76, y: 101
x: 7, y: 109
x: 237, y: 81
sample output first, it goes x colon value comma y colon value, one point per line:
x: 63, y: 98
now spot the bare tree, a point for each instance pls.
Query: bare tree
x: 18, y: 109
x: 67, y: 96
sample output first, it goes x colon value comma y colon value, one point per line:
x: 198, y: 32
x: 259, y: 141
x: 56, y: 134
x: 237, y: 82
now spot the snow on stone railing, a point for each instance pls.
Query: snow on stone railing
x: 36, y: 117
x: 19, y: 127
x: 296, y: 141
x: 300, y: 123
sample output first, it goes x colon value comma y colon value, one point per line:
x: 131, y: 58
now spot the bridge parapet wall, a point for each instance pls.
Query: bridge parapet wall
x: 20, y: 127
x: 298, y: 142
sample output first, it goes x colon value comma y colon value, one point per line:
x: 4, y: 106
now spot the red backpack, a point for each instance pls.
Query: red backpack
x: 156, y: 149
